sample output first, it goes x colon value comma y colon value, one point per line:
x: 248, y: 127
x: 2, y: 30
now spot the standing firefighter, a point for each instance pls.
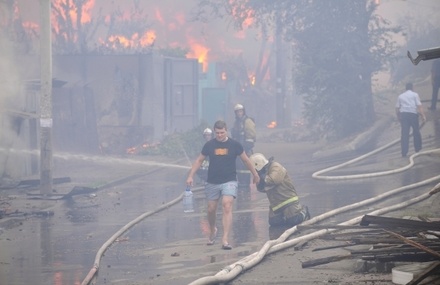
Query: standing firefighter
x: 244, y: 132
x: 284, y: 208
x: 244, y: 129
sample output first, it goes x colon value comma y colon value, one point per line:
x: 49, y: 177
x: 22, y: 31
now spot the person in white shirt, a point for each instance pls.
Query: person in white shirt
x: 408, y: 109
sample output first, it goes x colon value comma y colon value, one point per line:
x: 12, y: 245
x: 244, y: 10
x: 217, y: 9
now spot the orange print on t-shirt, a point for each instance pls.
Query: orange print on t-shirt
x: 221, y: 151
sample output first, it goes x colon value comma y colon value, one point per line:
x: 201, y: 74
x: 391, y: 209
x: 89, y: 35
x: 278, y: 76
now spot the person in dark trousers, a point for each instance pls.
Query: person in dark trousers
x: 284, y: 206
x: 244, y: 132
x: 408, y: 109
x: 222, y: 178
x: 435, y: 79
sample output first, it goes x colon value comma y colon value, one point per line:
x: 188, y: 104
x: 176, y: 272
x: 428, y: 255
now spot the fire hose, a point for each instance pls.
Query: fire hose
x: 109, y: 242
x: 233, y: 270
x: 317, y: 175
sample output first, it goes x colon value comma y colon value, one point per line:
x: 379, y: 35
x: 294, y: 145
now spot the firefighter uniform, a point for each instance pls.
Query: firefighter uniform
x: 284, y: 208
x: 244, y: 132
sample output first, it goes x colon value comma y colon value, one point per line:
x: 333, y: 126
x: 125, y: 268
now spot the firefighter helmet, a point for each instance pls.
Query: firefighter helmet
x: 238, y: 107
x: 207, y: 131
x: 259, y: 161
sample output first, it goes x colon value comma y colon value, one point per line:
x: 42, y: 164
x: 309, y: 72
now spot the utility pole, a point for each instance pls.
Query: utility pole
x: 280, y: 84
x: 46, y: 121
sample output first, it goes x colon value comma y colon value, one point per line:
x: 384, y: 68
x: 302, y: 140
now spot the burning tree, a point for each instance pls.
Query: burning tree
x: 338, y: 47
x: 14, y: 30
x: 72, y: 25
x: 74, y: 28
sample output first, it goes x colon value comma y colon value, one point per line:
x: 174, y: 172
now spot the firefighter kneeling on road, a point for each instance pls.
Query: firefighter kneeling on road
x: 284, y: 208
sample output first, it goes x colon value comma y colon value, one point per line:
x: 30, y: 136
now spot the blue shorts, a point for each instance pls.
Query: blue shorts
x: 214, y: 191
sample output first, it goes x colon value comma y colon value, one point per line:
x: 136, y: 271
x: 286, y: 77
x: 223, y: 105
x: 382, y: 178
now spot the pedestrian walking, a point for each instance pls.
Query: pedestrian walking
x: 284, y: 206
x: 244, y: 132
x: 435, y: 80
x: 408, y: 109
x: 222, y: 178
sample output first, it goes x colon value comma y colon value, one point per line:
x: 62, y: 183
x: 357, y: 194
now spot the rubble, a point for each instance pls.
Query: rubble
x: 385, y: 242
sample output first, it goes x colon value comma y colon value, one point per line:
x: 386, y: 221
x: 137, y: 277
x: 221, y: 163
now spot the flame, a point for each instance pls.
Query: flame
x: 159, y: 16
x: 224, y: 76
x: 252, y: 79
x: 30, y: 25
x: 131, y: 150
x: 139, y: 148
x: 148, y: 38
x: 116, y: 41
x: 200, y: 52
x: 171, y: 29
x: 246, y: 15
x: 272, y: 125
x: 72, y: 16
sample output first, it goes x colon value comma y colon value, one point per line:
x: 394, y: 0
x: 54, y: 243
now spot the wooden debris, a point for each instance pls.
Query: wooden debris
x: 391, y: 239
x: 394, y: 222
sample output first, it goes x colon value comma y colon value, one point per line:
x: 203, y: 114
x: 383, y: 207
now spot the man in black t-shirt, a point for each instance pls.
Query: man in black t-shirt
x: 222, y: 178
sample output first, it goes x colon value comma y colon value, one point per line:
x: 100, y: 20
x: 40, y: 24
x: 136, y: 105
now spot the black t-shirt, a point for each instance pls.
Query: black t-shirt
x: 222, y: 156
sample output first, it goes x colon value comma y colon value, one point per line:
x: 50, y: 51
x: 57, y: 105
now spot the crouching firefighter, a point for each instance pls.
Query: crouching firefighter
x: 284, y: 208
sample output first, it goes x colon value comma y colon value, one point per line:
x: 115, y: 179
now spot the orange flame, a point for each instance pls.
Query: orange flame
x: 252, y: 79
x: 60, y: 6
x: 272, y: 125
x: 224, y: 76
x: 115, y: 41
x: 200, y: 52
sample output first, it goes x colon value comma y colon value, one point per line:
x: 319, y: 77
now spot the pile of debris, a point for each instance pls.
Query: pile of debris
x: 388, y: 241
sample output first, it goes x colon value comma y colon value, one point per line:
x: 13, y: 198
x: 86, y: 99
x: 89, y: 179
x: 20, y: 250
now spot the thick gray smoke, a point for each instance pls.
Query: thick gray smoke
x: 11, y: 102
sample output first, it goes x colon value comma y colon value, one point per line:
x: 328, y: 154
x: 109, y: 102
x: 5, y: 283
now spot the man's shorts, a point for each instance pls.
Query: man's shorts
x: 214, y: 191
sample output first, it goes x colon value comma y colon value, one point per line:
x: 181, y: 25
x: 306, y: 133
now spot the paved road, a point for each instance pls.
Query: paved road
x: 169, y: 247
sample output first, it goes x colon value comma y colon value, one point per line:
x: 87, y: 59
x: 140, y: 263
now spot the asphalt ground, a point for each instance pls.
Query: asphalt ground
x: 87, y: 173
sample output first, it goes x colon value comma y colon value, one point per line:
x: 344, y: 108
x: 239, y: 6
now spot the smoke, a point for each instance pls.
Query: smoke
x: 172, y: 23
x: 11, y: 102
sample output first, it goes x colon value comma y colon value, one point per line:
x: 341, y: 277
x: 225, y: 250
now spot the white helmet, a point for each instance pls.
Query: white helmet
x: 207, y: 131
x: 258, y: 160
x: 238, y: 107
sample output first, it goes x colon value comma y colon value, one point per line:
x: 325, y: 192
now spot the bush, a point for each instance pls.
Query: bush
x: 178, y: 145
